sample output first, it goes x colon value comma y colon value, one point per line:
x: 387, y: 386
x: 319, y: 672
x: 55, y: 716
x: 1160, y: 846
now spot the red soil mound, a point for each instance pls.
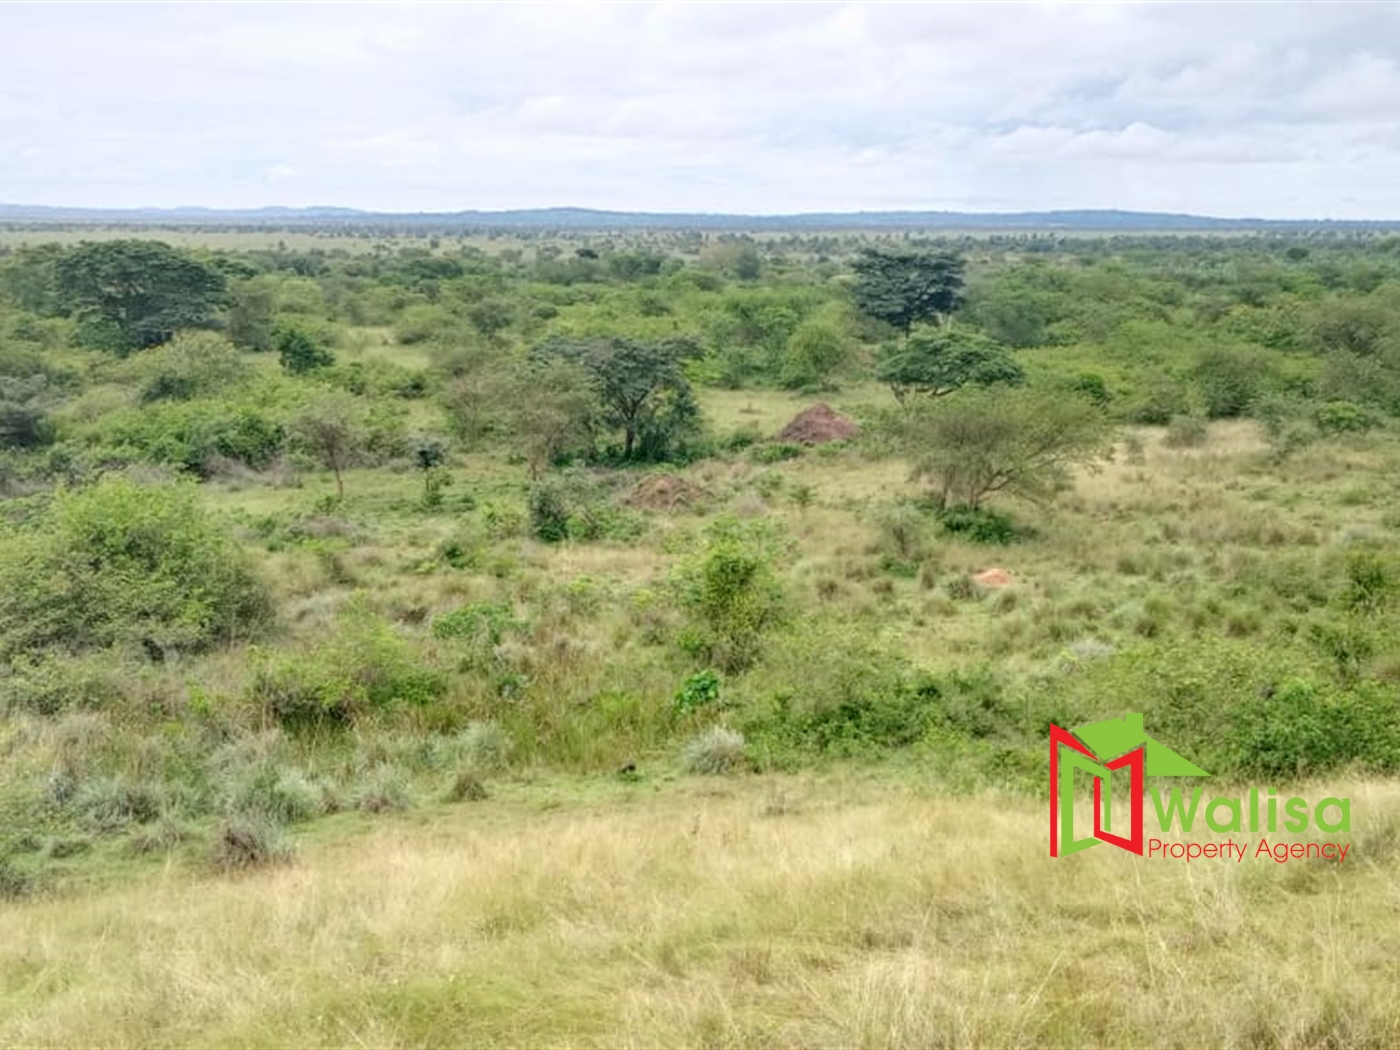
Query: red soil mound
x: 817, y: 425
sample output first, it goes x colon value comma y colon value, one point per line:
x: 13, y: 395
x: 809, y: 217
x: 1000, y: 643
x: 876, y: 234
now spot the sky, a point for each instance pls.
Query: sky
x: 1266, y: 110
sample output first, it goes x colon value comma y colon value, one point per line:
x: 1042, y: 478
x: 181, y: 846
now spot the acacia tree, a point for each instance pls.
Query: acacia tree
x: 335, y: 430
x: 940, y: 360
x: 1023, y: 443
x: 135, y: 294
x: 641, y: 387
x: 903, y: 287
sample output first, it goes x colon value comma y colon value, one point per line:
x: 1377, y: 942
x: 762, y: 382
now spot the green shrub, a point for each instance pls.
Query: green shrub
x: 108, y: 804
x: 1344, y: 417
x: 731, y: 591
x: 698, y: 691
x: 384, y: 789
x: 485, y: 745
x: 1302, y: 728
x: 979, y: 524
x: 1161, y: 398
x: 1230, y: 380
x: 775, y: 452
x: 283, y: 796
x: 125, y: 563
x: 363, y: 666
x: 549, y: 513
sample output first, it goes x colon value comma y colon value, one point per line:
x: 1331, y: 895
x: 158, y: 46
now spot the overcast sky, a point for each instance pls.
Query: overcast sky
x: 1273, y: 110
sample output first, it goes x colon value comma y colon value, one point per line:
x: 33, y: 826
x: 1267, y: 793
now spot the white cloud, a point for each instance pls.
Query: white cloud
x: 1279, y: 109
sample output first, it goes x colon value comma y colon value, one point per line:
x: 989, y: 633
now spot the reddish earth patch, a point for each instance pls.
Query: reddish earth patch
x: 665, y: 492
x: 993, y: 578
x: 817, y: 425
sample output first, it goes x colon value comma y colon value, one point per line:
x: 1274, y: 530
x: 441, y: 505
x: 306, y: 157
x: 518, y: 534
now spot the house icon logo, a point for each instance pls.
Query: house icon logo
x: 1099, y: 749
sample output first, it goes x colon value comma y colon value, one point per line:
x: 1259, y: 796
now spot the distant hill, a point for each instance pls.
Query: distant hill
x: 1107, y: 221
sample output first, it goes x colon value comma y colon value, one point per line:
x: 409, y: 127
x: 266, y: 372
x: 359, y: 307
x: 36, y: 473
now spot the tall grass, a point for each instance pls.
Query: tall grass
x: 861, y: 912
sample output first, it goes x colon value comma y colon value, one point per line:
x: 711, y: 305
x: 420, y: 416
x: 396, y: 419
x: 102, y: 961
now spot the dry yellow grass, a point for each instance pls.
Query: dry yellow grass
x: 753, y: 912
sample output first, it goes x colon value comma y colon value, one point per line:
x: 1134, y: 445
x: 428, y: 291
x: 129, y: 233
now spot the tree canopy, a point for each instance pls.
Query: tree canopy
x: 905, y: 287
x: 641, y: 386
x: 134, y: 294
x: 1020, y: 442
x: 940, y: 360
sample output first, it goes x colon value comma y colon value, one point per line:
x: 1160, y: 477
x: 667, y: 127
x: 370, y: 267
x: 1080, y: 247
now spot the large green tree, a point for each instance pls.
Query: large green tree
x: 1023, y: 443
x: 904, y: 287
x: 937, y: 361
x: 642, y: 388
x: 134, y: 294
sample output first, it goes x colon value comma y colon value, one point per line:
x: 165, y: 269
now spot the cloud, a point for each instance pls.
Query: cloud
x: 1280, y: 109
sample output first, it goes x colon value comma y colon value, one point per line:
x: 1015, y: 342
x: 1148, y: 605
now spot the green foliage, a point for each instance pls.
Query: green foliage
x: 135, y: 294
x: 940, y: 360
x: 642, y: 389
x: 1020, y: 442
x: 1239, y: 709
x: 699, y: 690
x: 251, y: 313
x: 24, y: 424
x: 903, y: 287
x: 979, y: 524
x: 549, y: 514
x: 361, y: 667
x: 125, y: 563
x: 769, y: 452
x: 338, y: 430
x: 1231, y: 380
x: 731, y: 591
x: 815, y: 352
x: 192, y: 364
x: 299, y: 353
x: 1344, y: 417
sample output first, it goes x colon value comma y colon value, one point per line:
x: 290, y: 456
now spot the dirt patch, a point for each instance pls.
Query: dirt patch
x: 665, y: 492
x: 993, y: 578
x: 817, y: 425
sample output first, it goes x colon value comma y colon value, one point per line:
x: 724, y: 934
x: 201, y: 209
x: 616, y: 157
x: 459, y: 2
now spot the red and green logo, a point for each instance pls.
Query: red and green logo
x: 1099, y: 750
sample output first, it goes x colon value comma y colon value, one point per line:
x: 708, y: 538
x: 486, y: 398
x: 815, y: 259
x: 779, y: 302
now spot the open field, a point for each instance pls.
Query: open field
x: 840, y: 909
x: 426, y: 645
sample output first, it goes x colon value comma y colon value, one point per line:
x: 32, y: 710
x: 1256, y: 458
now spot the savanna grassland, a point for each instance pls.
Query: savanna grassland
x: 420, y: 642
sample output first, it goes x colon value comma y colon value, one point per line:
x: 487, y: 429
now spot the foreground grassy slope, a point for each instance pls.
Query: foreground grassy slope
x: 827, y: 910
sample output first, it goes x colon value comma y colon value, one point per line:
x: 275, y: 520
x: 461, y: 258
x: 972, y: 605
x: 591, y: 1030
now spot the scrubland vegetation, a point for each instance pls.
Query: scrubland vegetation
x: 409, y: 644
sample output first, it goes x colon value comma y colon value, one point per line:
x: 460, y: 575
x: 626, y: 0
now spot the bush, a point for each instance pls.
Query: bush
x: 111, y: 803
x: 732, y: 593
x: 383, y: 790
x: 362, y: 667
x: 775, y: 452
x: 1301, y: 729
x: 283, y: 796
x: 244, y: 843
x: 975, y: 443
x: 1230, y: 380
x: 485, y: 745
x: 125, y: 563
x: 1344, y: 417
x: 699, y: 690
x: 979, y: 524
x: 549, y: 514
x: 716, y: 751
